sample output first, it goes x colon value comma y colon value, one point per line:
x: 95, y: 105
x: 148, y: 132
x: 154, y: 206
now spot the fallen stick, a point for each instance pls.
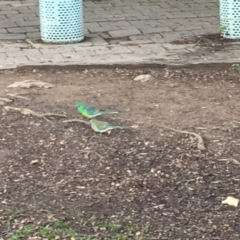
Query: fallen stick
x: 26, y: 111
x: 200, y: 144
x: 228, y: 160
x: 76, y: 120
x: 6, y: 100
x: 31, y: 83
x: 17, y: 96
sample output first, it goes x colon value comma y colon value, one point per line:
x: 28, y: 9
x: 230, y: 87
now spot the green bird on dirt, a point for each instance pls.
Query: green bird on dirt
x: 101, y: 126
x: 89, y: 111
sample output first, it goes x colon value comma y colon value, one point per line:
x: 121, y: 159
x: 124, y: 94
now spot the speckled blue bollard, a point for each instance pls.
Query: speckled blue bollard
x: 230, y: 18
x: 61, y: 21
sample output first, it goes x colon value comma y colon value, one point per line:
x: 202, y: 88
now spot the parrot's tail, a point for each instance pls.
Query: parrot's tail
x: 119, y: 127
x: 109, y: 112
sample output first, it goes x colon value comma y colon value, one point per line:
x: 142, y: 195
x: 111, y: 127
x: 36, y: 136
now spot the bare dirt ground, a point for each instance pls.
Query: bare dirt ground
x: 63, y: 181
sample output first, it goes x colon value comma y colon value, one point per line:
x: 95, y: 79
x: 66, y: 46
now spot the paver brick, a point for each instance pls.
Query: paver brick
x: 22, y: 29
x: 28, y: 23
x: 3, y: 18
x: 10, y: 3
x: 9, y: 12
x: 8, y: 36
x: 124, y: 33
x: 6, y: 24
x: 2, y: 30
x: 154, y: 30
x: 139, y: 23
x: 188, y: 27
x: 96, y: 28
x: 30, y: 18
x: 30, y: 53
x: 121, y: 24
x: 8, y: 64
x: 7, y: 49
x: 3, y: 55
x: 18, y: 60
x: 92, y: 26
x: 94, y: 39
x: 155, y: 16
x: 33, y: 35
x: 206, y: 31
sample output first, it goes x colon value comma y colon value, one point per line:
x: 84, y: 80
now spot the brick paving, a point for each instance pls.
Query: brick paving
x: 117, y: 32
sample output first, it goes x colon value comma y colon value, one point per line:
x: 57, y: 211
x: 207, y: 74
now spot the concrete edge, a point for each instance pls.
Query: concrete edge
x: 220, y: 65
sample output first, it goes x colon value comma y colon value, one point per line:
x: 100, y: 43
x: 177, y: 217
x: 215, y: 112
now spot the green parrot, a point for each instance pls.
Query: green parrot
x: 89, y: 111
x: 101, y: 127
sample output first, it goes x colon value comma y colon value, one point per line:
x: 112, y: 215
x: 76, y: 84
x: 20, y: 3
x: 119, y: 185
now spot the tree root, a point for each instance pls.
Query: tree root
x: 228, y: 160
x: 28, y: 112
x: 31, y: 83
x: 6, y: 100
x: 200, y: 144
x: 76, y: 120
x: 17, y: 96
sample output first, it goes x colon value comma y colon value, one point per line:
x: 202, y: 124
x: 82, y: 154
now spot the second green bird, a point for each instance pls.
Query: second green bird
x: 101, y: 126
x: 89, y: 111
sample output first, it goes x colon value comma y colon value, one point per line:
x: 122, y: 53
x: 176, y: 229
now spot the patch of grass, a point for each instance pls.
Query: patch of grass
x: 13, y: 215
x: 90, y: 220
x: 127, y: 219
x: 222, y: 28
x: 54, y: 231
x: 130, y: 231
x: 125, y: 236
x: 121, y: 236
x: 236, y: 67
x: 60, y: 224
x: 111, y: 226
x: 48, y: 232
x: 60, y: 230
x: 87, y: 238
x: 23, y: 233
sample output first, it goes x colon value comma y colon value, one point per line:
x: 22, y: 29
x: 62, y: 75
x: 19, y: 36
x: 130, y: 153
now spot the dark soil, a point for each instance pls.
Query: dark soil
x: 147, y: 182
x: 206, y: 40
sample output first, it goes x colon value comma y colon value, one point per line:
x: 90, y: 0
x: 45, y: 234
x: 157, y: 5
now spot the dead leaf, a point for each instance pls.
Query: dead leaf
x: 34, y: 161
x: 143, y: 78
x: 30, y: 83
x: 6, y: 100
x: 228, y: 160
x: 28, y: 112
x: 200, y: 144
x: 17, y: 96
x: 137, y: 234
x: 235, y: 161
x: 231, y: 201
x: 135, y: 126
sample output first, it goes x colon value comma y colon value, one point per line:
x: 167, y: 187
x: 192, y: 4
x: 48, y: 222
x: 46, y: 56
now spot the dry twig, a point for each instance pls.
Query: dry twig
x: 235, y: 122
x: 76, y: 120
x: 17, y: 96
x: 5, y: 100
x: 26, y: 111
x: 228, y: 160
x: 200, y: 144
x: 31, y: 83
